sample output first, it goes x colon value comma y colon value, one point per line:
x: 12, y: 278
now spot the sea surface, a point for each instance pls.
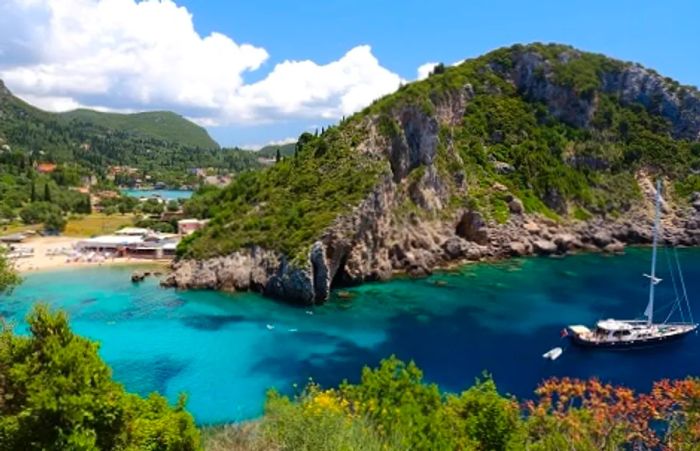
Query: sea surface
x: 226, y: 350
x: 167, y: 194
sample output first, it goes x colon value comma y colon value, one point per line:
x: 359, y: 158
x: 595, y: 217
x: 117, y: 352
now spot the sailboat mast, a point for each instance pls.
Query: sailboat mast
x: 649, y: 312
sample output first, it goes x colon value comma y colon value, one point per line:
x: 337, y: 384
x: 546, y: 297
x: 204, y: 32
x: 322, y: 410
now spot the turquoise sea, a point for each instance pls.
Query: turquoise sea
x: 167, y: 194
x: 496, y: 317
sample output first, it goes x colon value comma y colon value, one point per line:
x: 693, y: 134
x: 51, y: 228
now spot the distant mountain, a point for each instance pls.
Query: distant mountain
x: 527, y: 149
x: 157, y: 124
x: 162, y: 144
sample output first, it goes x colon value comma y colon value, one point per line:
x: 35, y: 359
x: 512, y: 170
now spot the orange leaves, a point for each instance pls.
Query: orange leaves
x: 602, y: 414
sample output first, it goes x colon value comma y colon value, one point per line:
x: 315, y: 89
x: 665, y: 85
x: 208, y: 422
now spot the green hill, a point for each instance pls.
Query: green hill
x: 155, y: 142
x: 447, y: 167
x: 157, y: 124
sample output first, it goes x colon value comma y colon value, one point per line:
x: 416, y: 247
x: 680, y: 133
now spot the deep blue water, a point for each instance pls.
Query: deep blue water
x: 167, y: 194
x: 496, y: 317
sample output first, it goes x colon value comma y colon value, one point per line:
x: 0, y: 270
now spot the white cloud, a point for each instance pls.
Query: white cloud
x: 425, y: 69
x: 129, y: 55
x: 282, y: 142
x: 279, y: 142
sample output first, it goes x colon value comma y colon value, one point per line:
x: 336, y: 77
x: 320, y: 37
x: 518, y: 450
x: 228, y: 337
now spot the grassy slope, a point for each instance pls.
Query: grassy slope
x: 288, y: 206
x: 97, y: 224
x: 160, y: 124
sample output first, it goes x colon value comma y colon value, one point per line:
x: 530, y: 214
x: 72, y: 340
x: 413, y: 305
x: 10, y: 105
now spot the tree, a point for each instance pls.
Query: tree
x: 438, y: 69
x: 152, y: 207
x: 278, y: 156
x: 173, y: 206
x: 87, y: 205
x: 58, y: 394
x: 6, y: 212
x: 55, y: 222
x: 47, y: 193
x: 8, y: 280
x: 32, y: 197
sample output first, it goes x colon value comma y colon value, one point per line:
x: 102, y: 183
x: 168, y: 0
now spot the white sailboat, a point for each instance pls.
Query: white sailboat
x: 623, y: 334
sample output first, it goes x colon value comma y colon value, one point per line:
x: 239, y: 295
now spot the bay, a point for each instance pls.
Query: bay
x: 226, y: 350
x: 166, y: 194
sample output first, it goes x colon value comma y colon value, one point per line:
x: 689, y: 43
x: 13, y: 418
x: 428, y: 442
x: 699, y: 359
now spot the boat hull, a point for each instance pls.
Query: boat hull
x: 630, y: 344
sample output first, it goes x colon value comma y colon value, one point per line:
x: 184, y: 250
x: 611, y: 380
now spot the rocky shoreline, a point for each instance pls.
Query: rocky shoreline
x: 334, y: 263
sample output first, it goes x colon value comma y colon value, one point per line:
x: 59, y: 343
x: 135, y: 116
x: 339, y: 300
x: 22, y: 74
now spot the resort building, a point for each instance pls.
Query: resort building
x: 189, y: 226
x: 133, y: 242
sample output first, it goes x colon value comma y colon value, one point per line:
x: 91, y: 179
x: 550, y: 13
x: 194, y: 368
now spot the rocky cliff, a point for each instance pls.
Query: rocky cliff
x: 527, y: 150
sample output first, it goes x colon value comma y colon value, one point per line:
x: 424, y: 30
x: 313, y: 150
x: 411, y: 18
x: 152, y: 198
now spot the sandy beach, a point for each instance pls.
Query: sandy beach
x: 41, y: 261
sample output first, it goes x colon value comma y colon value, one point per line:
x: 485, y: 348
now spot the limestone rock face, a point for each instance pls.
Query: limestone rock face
x: 472, y: 227
x: 544, y: 247
x: 516, y: 206
x: 380, y: 236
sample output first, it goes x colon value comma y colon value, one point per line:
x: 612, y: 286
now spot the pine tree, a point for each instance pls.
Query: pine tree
x: 278, y: 157
x: 47, y: 193
x: 33, y: 195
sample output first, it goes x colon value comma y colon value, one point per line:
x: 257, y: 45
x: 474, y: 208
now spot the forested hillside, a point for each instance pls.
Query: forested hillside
x: 454, y: 165
x: 45, y: 157
x: 162, y: 125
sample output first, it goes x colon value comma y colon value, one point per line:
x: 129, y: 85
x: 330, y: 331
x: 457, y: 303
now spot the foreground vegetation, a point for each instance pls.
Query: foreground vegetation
x: 56, y: 393
x: 392, y: 408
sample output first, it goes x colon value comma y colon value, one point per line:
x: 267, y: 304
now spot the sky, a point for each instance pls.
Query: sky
x: 264, y: 71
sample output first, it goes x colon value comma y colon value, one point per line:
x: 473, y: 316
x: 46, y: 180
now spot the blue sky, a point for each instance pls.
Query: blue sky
x: 248, y: 95
x: 406, y: 34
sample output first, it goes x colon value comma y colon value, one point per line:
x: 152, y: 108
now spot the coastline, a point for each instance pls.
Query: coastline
x: 39, y: 261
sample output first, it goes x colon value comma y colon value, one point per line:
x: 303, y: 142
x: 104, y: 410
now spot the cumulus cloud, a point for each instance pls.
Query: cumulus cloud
x: 130, y: 55
x: 425, y: 69
x: 277, y: 142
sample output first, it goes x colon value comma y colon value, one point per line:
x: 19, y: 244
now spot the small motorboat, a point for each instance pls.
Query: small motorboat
x: 553, y: 354
x: 270, y: 327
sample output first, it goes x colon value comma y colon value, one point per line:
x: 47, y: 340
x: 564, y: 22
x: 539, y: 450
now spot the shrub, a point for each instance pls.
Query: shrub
x: 58, y: 394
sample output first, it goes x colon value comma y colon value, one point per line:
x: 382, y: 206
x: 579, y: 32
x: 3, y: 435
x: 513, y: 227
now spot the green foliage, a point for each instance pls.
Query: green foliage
x: 310, y: 425
x: 286, y: 206
x: 152, y: 207
x: 8, y: 276
x: 39, y: 212
x: 56, y: 394
x: 160, y: 145
x: 162, y: 125
x: 286, y: 150
x: 54, y: 222
x: 391, y: 408
x: 158, y: 225
x: 172, y: 206
x: 395, y: 398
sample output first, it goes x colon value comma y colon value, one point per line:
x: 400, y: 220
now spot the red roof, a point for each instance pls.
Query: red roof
x: 46, y: 168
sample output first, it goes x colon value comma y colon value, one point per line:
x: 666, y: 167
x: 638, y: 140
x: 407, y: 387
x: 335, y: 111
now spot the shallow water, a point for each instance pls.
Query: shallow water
x: 167, y: 194
x: 496, y: 317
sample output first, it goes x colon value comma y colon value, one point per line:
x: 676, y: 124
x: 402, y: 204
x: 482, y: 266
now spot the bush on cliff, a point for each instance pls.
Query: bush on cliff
x: 56, y: 393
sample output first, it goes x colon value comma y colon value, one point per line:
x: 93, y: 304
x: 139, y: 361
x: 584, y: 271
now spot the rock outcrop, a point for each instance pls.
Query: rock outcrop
x: 380, y: 236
